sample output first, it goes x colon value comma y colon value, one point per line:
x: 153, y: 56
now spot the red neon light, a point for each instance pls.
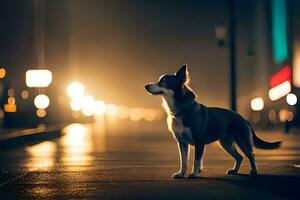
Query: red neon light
x: 284, y: 74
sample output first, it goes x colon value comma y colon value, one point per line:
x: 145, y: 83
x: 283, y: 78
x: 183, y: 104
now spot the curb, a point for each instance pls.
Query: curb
x: 30, y: 136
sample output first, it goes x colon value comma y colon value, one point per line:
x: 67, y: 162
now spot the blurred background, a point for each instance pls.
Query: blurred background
x: 68, y: 61
x: 77, y: 123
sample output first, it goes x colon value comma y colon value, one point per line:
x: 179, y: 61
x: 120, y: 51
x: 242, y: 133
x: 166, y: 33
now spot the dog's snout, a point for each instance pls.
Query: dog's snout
x: 147, y: 86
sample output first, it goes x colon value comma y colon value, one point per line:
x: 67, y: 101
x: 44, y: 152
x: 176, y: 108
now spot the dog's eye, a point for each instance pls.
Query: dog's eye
x: 161, y: 82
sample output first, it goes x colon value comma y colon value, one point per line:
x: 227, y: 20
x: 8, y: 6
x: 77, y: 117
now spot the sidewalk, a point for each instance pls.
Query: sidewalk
x: 19, y: 137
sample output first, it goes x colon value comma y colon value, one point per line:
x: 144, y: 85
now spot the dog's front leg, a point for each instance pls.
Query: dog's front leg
x: 199, y: 149
x: 183, y: 151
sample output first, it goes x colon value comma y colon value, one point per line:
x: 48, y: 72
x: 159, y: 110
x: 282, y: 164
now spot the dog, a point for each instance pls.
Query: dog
x: 195, y: 124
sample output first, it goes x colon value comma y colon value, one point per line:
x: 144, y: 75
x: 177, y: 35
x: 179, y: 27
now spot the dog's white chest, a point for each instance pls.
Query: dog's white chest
x: 180, y: 132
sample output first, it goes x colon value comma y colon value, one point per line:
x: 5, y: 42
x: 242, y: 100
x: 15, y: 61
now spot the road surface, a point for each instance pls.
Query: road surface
x: 97, y: 161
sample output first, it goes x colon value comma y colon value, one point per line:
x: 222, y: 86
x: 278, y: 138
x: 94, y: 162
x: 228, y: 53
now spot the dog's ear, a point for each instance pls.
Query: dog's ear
x: 182, y: 74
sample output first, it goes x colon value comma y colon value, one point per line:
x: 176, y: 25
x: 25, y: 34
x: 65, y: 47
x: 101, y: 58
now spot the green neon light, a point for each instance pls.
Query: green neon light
x: 279, y: 31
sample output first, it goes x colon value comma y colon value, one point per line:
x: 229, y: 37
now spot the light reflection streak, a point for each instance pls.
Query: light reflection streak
x: 77, y: 146
x: 41, y: 156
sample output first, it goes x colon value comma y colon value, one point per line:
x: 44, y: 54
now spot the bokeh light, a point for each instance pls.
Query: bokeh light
x: 257, y: 104
x: 24, y: 94
x: 285, y: 115
x: 291, y: 99
x: 123, y: 112
x: 10, y: 92
x: 149, y: 114
x: 38, y: 78
x: 76, y: 104
x: 10, y: 108
x: 111, y: 109
x: 272, y: 115
x: 2, y: 72
x: 88, y: 105
x: 280, y: 91
x: 41, y: 113
x: 11, y: 100
x: 41, y: 101
x: 135, y: 114
x: 99, y: 107
x: 75, y: 90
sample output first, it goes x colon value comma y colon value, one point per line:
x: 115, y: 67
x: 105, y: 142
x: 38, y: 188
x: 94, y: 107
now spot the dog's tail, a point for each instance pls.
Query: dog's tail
x: 261, y: 144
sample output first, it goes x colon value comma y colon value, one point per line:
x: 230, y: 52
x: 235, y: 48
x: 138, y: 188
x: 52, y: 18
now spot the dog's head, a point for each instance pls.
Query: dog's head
x: 169, y: 83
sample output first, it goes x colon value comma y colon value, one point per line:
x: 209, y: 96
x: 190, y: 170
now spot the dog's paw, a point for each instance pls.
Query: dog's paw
x: 192, y: 175
x: 178, y: 175
x: 231, y: 172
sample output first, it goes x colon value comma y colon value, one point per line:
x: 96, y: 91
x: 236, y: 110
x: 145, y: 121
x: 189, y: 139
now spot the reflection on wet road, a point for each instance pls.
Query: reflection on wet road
x: 41, y: 156
x: 112, y: 160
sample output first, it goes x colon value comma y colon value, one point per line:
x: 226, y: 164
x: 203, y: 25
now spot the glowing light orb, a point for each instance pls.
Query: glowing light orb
x: 99, y: 108
x: 75, y: 90
x: 24, y: 94
x: 2, y: 73
x: 257, y: 104
x: 38, y: 78
x: 123, y: 112
x: 11, y: 100
x: 291, y: 99
x: 111, y: 109
x: 280, y: 91
x: 76, y: 104
x: 41, y: 101
x: 41, y: 113
x: 88, y: 106
x: 135, y: 114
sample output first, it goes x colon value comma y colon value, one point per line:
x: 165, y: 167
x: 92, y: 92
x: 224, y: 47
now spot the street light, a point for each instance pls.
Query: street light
x: 41, y: 101
x: 38, y: 78
x: 257, y: 104
x: 291, y: 99
x: 75, y: 90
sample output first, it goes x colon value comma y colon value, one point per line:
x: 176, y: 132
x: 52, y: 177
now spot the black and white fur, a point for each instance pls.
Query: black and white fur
x: 195, y: 124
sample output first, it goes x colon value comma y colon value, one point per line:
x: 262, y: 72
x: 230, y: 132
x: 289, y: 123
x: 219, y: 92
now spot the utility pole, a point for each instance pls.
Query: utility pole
x: 232, y: 48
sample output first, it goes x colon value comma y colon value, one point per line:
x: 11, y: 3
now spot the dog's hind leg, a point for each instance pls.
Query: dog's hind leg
x: 229, y: 146
x: 243, y: 139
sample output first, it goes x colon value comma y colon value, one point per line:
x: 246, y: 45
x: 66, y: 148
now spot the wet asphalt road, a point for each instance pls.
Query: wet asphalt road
x: 94, y: 161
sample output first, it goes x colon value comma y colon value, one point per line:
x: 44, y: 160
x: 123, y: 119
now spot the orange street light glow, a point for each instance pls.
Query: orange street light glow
x: 41, y: 113
x: 88, y: 105
x: 111, y: 109
x: 280, y: 91
x: 76, y: 104
x: 11, y: 100
x: 10, y: 108
x: 296, y: 65
x: 38, y: 78
x: 285, y: 115
x: 2, y: 73
x: 10, y: 92
x: 135, y: 114
x: 24, y: 94
x: 75, y: 90
x: 99, y: 108
x: 123, y: 112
